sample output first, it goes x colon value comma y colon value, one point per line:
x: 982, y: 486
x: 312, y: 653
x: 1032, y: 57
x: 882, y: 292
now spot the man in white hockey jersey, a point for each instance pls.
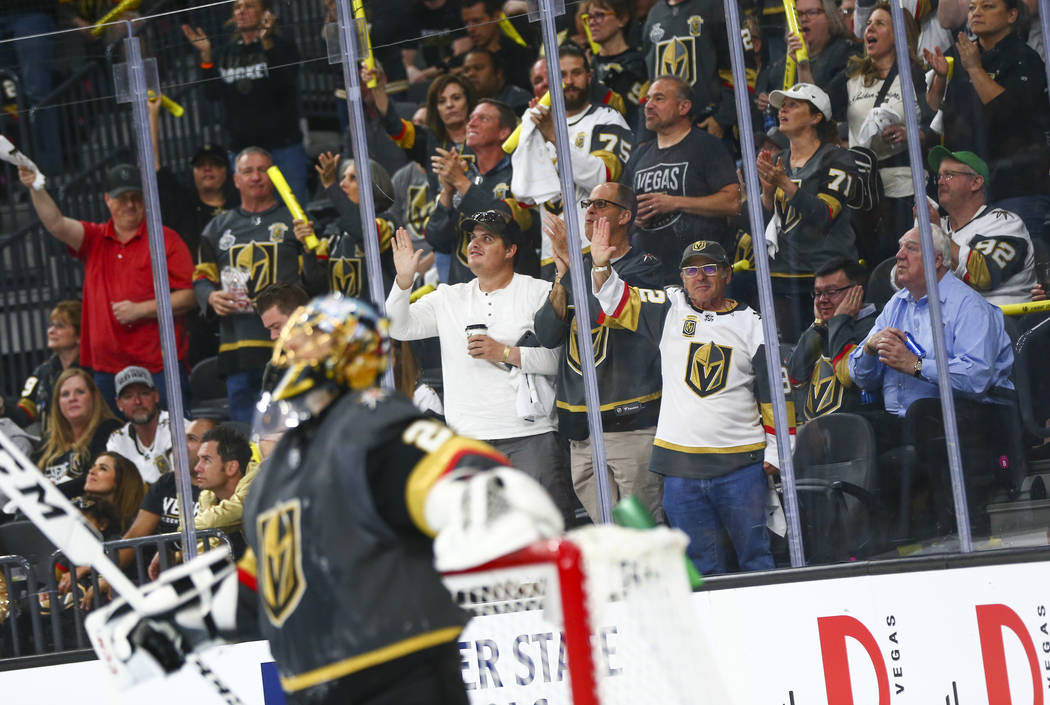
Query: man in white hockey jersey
x: 600, y: 141
x: 992, y: 250
x: 715, y: 440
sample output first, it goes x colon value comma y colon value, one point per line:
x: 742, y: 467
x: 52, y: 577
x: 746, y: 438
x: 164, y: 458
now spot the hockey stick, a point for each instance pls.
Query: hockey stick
x: 64, y: 525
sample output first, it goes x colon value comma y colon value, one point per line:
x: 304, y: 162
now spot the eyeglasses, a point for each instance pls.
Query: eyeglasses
x: 598, y: 15
x: 601, y: 203
x: 708, y: 269
x: 815, y: 12
x: 949, y: 175
x: 829, y: 293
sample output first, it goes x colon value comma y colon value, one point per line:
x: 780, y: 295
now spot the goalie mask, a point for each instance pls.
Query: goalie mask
x: 332, y: 344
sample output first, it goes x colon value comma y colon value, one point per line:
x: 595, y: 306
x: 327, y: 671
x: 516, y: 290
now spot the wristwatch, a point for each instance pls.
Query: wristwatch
x: 603, y: 268
x: 917, y: 368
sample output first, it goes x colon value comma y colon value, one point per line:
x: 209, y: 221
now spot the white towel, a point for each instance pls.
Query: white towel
x: 535, y: 179
x: 772, y: 236
x: 9, y: 154
x: 535, y: 394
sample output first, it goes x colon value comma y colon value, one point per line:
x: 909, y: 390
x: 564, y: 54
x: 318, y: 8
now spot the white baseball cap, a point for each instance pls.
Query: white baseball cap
x: 804, y: 91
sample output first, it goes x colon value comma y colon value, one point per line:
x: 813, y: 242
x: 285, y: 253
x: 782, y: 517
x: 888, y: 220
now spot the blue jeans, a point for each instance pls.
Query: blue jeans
x: 105, y: 382
x: 292, y: 163
x: 242, y: 390
x: 735, y: 503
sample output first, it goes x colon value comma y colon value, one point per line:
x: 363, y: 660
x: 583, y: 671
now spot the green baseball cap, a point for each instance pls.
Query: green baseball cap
x: 938, y: 154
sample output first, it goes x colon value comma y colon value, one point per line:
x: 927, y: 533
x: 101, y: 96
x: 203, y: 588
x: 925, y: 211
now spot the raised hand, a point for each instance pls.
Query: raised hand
x: 326, y: 166
x: 406, y: 259
x: 554, y: 228
x: 851, y: 302
x: 601, y: 250
x: 199, y: 40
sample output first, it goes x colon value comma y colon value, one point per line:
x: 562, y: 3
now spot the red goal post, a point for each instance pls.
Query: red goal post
x: 621, y: 600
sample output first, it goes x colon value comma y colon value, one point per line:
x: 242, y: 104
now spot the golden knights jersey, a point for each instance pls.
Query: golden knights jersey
x: 815, y: 223
x: 688, y: 40
x: 342, y: 250
x: 819, y: 363
x: 715, y: 414
x: 627, y: 74
x: 262, y: 244
x: 343, y: 557
x: 996, y: 256
x: 601, y: 145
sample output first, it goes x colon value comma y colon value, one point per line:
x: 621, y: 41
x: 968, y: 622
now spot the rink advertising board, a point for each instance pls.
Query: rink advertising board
x: 958, y: 636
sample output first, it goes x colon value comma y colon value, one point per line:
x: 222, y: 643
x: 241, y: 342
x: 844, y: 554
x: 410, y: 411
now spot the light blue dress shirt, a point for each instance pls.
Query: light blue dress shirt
x: 980, y: 356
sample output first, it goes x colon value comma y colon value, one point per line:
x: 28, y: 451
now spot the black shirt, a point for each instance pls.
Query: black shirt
x: 1008, y: 132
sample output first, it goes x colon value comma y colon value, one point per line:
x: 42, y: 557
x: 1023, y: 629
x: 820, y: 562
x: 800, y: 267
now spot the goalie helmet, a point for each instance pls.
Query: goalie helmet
x: 332, y: 344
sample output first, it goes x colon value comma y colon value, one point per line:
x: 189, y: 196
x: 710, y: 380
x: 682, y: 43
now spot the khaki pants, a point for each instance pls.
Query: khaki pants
x: 627, y: 461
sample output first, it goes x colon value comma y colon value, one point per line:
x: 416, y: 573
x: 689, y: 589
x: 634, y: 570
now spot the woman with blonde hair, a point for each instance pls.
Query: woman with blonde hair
x: 80, y: 423
x: 870, y: 98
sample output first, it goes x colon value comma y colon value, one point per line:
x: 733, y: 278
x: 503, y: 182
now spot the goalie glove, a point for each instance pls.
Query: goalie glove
x: 480, y: 516
x: 186, y: 608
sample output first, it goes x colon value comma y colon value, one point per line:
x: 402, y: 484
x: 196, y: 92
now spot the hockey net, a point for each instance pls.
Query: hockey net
x: 601, y: 617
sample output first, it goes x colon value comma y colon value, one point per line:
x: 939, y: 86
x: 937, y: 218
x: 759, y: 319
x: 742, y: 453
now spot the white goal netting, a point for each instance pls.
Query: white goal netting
x: 601, y: 617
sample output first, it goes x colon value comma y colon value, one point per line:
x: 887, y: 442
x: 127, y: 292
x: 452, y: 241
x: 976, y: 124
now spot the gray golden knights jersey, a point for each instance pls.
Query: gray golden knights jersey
x: 688, y: 40
x: 815, y: 222
x: 341, y: 555
x: 263, y: 245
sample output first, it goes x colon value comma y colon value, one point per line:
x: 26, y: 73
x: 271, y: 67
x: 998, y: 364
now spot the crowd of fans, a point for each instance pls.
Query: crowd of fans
x: 475, y: 257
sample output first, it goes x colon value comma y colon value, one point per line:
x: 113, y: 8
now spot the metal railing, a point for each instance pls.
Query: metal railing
x: 29, y: 621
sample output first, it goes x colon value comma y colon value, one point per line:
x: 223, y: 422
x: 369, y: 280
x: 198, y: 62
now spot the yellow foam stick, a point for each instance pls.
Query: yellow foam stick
x: 511, y: 143
x: 369, y: 61
x: 596, y: 48
x: 168, y: 104
x: 277, y: 178
x: 120, y: 9
x: 741, y: 265
x: 951, y: 67
x: 1021, y: 309
x: 791, y: 15
x: 790, y: 71
x: 508, y: 28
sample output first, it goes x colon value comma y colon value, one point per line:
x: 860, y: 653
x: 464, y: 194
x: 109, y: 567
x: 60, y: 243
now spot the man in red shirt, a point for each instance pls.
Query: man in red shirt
x: 119, y: 318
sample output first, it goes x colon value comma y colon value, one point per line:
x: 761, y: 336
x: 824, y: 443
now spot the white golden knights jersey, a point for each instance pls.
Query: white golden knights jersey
x: 601, y: 145
x: 996, y: 256
x: 716, y: 413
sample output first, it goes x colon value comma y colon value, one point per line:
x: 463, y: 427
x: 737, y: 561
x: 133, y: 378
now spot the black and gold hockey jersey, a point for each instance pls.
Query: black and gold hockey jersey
x: 262, y: 244
x: 819, y: 363
x: 341, y: 253
x: 815, y: 223
x: 343, y: 560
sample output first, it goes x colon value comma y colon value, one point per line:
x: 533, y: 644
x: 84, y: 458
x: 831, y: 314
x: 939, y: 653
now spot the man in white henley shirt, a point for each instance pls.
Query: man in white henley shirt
x: 498, y: 306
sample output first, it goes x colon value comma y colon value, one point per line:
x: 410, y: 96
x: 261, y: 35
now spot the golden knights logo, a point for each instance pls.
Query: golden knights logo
x: 345, y: 275
x: 677, y: 57
x: 599, y: 343
x: 419, y: 209
x: 825, y: 391
x: 259, y: 259
x: 277, y: 231
x: 689, y: 327
x: 696, y: 25
x: 280, y: 564
x: 789, y: 215
x: 707, y: 370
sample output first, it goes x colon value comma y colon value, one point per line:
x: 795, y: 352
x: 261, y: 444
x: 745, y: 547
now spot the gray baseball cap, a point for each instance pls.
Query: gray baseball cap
x: 133, y: 374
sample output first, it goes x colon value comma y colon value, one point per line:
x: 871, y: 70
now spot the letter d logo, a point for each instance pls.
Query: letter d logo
x: 833, y: 632
x: 990, y: 622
